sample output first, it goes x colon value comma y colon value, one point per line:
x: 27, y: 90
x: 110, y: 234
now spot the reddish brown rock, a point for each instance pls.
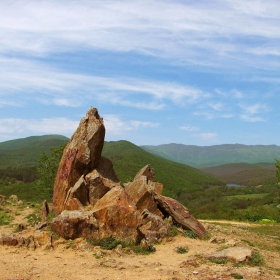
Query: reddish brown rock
x: 81, y: 155
x: 98, y: 186
x: 180, y: 214
x: 77, y: 196
x: 106, y: 169
x: 141, y: 195
x: 146, y: 171
x: 44, y: 211
x: 153, y: 227
x: 118, y: 217
x: 73, y: 224
x: 10, y: 240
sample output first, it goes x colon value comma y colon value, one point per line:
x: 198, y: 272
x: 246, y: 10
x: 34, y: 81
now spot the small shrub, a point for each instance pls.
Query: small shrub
x: 5, y: 219
x: 32, y: 219
x: 111, y: 243
x: 182, y: 250
x: 190, y: 234
x: 173, y: 231
x: 267, y: 221
x: 256, y: 259
x: 218, y: 260
x: 105, y: 243
x: 141, y: 250
x: 236, y: 276
x: 96, y: 256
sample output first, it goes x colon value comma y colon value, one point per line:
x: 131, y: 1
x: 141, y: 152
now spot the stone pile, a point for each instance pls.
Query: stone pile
x: 92, y: 203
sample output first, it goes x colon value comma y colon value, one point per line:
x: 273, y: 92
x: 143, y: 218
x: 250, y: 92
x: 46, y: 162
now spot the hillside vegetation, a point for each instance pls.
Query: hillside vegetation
x: 202, y: 157
x: 177, y: 178
x: 244, y: 173
x: 206, y: 195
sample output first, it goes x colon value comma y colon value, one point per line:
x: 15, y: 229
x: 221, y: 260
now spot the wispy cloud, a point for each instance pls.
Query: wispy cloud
x: 16, y: 126
x: 115, y: 125
x: 49, y: 85
x: 208, y: 136
x: 189, y: 128
x: 250, y: 113
x: 182, y: 31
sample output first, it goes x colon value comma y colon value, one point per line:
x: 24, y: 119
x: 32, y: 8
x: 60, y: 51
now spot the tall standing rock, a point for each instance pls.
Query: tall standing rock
x: 81, y: 155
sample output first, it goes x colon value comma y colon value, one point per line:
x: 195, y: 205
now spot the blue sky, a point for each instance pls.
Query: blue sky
x: 191, y: 72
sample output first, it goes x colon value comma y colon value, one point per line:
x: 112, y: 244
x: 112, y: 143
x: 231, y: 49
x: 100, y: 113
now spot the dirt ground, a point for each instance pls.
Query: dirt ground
x: 76, y: 259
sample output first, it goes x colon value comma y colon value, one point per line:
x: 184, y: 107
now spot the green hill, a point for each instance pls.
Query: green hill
x: 201, y: 157
x: 29, y: 141
x: 244, y: 173
x: 25, y: 152
x: 178, y: 179
x: 18, y: 157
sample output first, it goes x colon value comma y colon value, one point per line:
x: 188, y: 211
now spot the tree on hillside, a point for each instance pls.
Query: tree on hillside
x: 47, y: 169
x: 277, y: 165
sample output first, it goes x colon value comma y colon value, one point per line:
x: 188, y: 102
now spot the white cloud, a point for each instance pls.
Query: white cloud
x: 189, y: 128
x: 116, y: 126
x: 12, y: 127
x: 221, y: 32
x: 238, y: 94
x: 208, y: 136
x: 23, y: 79
x: 251, y: 111
x: 217, y: 106
x: 138, y: 124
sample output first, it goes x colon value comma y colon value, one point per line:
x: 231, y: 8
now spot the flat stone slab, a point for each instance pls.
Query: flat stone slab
x: 239, y: 254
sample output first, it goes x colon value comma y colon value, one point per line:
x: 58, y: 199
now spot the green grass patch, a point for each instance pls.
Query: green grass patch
x: 190, y: 234
x: 25, y: 191
x: 256, y: 259
x: 219, y: 260
x: 173, y: 231
x: 236, y: 276
x: 5, y: 219
x: 32, y: 219
x: 111, y: 243
x: 272, y: 230
x: 182, y: 250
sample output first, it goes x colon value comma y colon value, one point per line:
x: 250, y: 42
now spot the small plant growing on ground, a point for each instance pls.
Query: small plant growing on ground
x: 111, y: 243
x: 182, y: 250
x: 32, y: 219
x: 173, y: 231
x: 256, y: 259
x: 236, y: 276
x: 190, y: 234
x: 218, y: 260
x: 5, y: 219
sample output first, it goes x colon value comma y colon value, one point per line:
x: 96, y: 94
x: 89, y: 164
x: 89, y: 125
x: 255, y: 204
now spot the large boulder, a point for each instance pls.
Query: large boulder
x: 91, y: 202
x: 81, y: 155
x: 180, y: 214
x: 118, y: 217
x: 239, y: 254
x: 74, y: 224
x: 141, y: 195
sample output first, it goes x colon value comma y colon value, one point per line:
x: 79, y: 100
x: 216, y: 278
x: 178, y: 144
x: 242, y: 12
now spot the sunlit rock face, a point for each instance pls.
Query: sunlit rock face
x: 92, y: 203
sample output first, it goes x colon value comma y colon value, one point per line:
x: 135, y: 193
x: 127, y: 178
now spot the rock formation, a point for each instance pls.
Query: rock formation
x: 81, y: 155
x: 91, y: 202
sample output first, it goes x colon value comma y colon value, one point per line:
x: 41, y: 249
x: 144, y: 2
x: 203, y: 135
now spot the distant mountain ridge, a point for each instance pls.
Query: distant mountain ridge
x: 127, y: 159
x: 207, y: 156
x: 244, y: 173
